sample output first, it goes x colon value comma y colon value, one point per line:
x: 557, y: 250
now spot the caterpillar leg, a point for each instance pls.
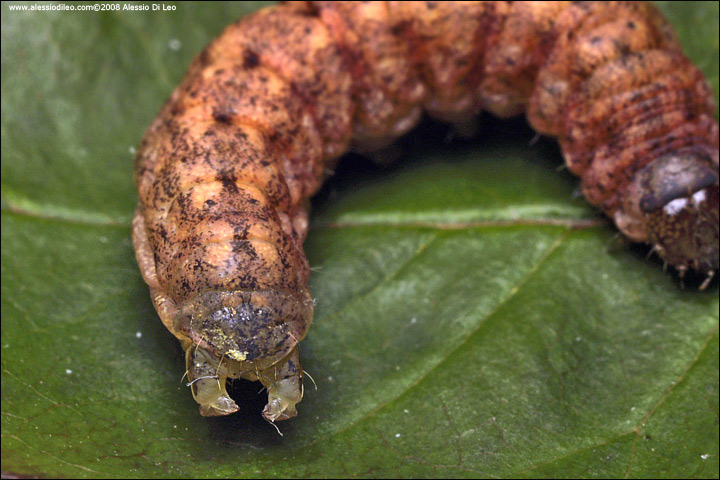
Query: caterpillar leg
x: 207, y: 377
x: 284, y: 385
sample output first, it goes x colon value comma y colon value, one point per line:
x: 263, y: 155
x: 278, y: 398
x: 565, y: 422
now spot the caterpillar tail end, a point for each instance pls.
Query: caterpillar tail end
x: 208, y: 374
x: 252, y: 335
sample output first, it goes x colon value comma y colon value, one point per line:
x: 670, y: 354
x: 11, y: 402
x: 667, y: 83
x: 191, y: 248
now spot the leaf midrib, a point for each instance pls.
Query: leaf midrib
x: 23, y: 207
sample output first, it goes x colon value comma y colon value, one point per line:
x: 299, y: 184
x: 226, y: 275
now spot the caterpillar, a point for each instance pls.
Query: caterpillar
x: 225, y: 171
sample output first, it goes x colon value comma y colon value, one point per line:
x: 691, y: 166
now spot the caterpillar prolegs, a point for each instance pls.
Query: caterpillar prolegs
x: 225, y: 171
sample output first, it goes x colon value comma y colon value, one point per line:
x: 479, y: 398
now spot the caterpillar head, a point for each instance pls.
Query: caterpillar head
x: 680, y: 203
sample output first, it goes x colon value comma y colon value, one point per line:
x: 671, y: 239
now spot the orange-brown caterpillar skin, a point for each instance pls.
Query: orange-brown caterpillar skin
x: 225, y: 171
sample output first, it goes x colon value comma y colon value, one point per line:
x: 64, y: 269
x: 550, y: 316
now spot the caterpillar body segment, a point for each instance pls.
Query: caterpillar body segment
x: 225, y: 171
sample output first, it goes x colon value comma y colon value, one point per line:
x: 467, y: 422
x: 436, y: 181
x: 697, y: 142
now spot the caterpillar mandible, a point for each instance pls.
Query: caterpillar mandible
x: 225, y: 171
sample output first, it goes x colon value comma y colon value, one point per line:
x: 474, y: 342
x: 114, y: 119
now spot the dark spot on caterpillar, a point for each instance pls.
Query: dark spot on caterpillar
x: 162, y: 232
x: 222, y: 116
x: 250, y: 60
x: 204, y: 57
x: 244, y: 247
x: 198, y: 266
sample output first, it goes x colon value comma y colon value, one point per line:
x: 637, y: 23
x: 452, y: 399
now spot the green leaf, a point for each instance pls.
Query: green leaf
x: 473, y: 317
